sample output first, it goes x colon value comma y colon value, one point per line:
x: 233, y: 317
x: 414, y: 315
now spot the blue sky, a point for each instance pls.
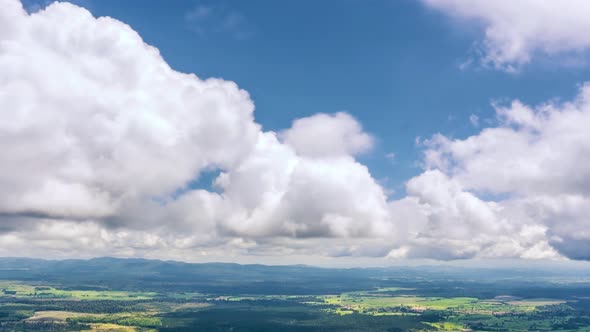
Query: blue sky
x: 140, y: 160
x: 394, y: 65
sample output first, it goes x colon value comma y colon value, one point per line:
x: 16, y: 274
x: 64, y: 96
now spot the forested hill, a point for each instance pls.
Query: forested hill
x: 156, y: 275
x: 211, y: 277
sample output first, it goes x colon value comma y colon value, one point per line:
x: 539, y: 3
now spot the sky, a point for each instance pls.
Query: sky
x: 295, y: 132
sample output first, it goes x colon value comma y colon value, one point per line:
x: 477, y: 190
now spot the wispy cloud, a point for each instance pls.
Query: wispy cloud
x: 474, y: 119
x: 390, y: 156
x: 218, y: 19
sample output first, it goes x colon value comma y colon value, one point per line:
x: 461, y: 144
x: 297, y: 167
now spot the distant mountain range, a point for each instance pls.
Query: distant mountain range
x: 146, y: 274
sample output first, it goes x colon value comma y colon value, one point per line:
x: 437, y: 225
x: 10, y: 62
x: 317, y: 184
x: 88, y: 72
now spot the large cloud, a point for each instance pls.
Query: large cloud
x: 94, y: 116
x: 518, y: 30
x: 101, y: 139
x: 535, y: 162
x: 454, y: 223
x: 533, y: 151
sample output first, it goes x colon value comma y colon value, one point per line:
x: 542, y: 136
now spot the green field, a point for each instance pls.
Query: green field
x: 26, y: 306
x: 42, y: 291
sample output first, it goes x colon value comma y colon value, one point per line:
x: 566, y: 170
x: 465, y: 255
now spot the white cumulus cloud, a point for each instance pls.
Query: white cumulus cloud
x: 101, y: 138
x: 535, y: 162
x: 323, y: 135
x: 94, y: 116
x: 517, y: 31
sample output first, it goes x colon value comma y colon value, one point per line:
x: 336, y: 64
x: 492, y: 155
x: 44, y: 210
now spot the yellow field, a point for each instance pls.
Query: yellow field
x: 447, y: 326
x: 536, y: 302
x: 364, y: 303
x: 58, y: 315
x: 112, y: 328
